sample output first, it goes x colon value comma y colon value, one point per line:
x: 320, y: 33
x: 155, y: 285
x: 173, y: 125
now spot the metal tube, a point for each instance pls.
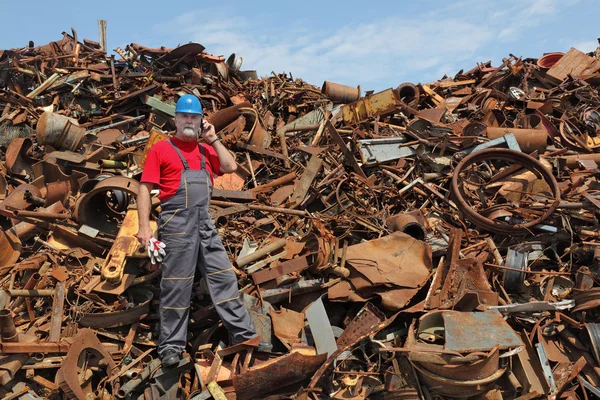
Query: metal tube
x: 116, y: 124
x: 8, y: 331
x: 33, y: 199
x: 260, y: 253
x: 529, y: 140
x: 339, y: 93
x: 41, y: 214
x: 132, y: 384
x: 132, y: 373
x: 33, y: 280
x: 31, y: 293
x: 135, y: 141
x: 572, y: 160
x: 411, y: 223
x: 220, y: 203
x: 226, y: 116
x: 112, y: 164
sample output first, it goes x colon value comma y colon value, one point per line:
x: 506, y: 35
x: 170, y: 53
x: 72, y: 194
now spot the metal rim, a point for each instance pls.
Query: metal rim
x: 507, y: 155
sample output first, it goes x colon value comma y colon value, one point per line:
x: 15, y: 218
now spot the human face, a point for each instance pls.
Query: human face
x: 188, y: 125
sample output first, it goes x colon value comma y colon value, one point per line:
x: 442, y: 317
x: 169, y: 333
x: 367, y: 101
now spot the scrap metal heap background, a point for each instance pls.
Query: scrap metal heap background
x: 429, y: 241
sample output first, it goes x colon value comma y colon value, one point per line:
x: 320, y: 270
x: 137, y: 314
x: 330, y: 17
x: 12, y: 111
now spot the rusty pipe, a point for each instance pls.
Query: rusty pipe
x: 33, y: 280
x: 226, y: 116
x: 41, y: 214
x: 260, y: 253
x: 8, y: 331
x: 514, y: 382
x: 289, y: 178
x: 132, y: 384
x: 221, y: 203
x: 26, y: 230
x: 529, y: 140
x: 409, y: 94
x: 571, y: 161
x: 31, y: 292
x: 339, y: 93
x: 411, y: 223
x: 33, y: 199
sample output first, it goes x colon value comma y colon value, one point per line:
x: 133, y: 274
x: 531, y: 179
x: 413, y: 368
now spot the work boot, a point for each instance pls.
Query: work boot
x: 170, y: 358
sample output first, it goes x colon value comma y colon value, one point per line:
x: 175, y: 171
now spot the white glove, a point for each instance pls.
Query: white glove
x: 156, y: 250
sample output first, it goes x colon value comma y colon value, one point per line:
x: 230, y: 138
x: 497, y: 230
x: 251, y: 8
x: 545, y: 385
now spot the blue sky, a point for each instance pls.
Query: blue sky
x: 377, y: 44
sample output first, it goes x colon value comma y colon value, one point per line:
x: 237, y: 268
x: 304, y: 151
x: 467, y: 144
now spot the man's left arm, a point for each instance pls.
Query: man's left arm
x: 228, y: 164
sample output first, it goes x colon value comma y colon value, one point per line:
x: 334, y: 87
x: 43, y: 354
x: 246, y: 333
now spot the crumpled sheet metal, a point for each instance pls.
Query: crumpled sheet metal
x: 277, y: 373
x: 394, y: 268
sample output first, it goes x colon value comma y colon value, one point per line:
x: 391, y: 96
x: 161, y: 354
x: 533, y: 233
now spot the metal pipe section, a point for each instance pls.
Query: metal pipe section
x: 33, y: 280
x: 339, y: 93
x: 132, y: 384
x: 112, y: 164
x: 289, y: 178
x: 260, y: 253
x: 221, y: 203
x: 529, y: 140
x: 226, y: 116
x: 411, y: 223
x: 31, y: 293
x: 8, y: 331
x: 571, y: 161
x: 41, y: 214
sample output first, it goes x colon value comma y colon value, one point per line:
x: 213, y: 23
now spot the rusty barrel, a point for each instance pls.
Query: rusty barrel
x: 60, y: 132
x: 339, y: 93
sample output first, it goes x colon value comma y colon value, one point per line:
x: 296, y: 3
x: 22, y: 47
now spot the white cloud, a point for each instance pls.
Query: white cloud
x: 375, y: 54
x: 364, y: 54
x: 519, y: 18
x: 587, y: 46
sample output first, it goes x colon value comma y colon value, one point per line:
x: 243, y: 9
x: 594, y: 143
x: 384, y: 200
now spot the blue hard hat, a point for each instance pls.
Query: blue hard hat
x: 188, y: 103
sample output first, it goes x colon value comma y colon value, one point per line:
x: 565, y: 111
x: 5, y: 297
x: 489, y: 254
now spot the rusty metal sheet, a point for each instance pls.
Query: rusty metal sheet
x: 284, y: 268
x: 478, y: 331
x: 141, y: 308
x: 397, y: 259
x: 86, y: 351
x: 277, y: 373
x: 308, y: 176
x: 287, y: 326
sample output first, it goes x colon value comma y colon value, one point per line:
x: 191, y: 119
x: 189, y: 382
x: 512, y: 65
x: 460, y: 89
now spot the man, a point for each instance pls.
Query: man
x: 183, y: 169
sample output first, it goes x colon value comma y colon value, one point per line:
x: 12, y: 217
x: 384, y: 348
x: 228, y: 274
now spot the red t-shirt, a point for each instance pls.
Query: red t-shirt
x: 163, y: 166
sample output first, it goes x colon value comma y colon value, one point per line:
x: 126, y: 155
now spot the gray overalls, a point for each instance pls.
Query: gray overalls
x: 186, y: 227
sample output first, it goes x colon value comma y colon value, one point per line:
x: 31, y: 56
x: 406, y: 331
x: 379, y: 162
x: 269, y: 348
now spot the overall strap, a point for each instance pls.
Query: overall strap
x: 183, y: 160
x: 203, y: 163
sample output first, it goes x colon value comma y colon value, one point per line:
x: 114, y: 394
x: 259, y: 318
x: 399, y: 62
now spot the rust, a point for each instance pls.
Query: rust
x: 358, y: 201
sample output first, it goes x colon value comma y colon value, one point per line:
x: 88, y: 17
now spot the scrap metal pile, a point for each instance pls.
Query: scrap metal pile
x: 429, y: 241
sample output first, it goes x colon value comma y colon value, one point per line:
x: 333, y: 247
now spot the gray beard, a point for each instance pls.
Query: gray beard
x: 188, y: 132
